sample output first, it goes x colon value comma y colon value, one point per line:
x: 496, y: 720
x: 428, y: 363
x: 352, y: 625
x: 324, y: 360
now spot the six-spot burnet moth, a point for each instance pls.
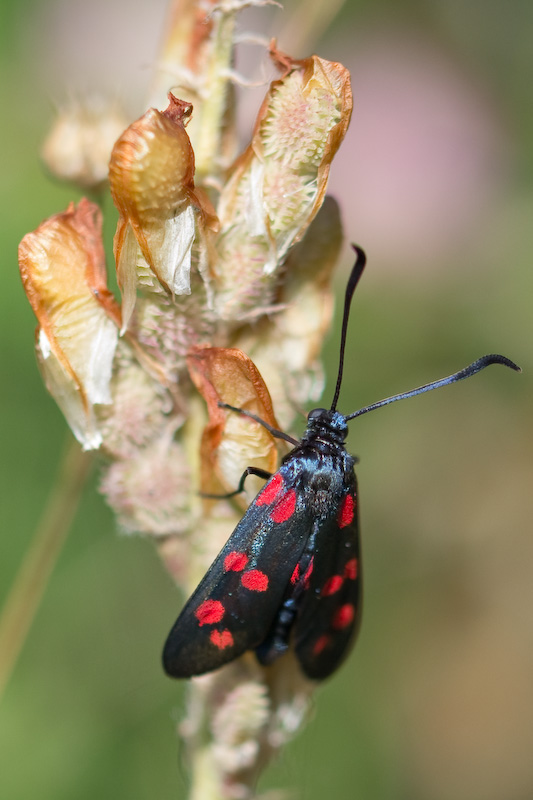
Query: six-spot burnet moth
x: 290, y: 573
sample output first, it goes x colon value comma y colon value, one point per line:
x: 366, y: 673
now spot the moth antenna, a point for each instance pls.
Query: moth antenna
x: 467, y: 372
x: 353, y: 280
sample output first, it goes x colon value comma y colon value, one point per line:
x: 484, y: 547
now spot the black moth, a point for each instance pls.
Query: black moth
x: 290, y: 573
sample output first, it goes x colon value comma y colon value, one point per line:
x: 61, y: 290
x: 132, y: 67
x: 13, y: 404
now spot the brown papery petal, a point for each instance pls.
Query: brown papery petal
x: 151, y: 180
x: 232, y: 442
x: 278, y: 184
x: 63, y: 271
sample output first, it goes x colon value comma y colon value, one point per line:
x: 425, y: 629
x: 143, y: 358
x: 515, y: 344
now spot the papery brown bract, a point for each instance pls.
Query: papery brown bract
x: 151, y: 177
x: 278, y: 184
x: 62, y: 266
x: 231, y: 442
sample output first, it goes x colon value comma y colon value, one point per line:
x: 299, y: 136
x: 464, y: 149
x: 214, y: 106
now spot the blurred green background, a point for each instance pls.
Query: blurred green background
x: 435, y: 180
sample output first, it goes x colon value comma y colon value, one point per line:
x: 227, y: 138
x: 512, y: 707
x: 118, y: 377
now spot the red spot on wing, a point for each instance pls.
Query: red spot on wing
x: 284, y: 509
x: 351, y: 569
x: 209, y: 612
x: 344, y: 616
x: 221, y: 639
x: 271, y: 491
x: 255, y: 580
x: 235, y: 562
x: 296, y: 574
x: 332, y: 585
x: 321, y: 643
x: 346, y: 511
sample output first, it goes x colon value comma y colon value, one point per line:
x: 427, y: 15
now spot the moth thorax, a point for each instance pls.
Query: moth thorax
x: 327, y: 425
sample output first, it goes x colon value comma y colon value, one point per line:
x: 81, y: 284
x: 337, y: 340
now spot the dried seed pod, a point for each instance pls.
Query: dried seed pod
x: 151, y: 177
x: 62, y: 266
x: 277, y: 186
x: 231, y: 442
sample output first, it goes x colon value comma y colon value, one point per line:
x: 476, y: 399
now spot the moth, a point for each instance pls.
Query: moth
x: 290, y: 573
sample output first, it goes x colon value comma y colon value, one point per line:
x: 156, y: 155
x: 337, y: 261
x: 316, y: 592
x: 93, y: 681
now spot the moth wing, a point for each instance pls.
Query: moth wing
x: 233, y: 607
x: 330, y: 609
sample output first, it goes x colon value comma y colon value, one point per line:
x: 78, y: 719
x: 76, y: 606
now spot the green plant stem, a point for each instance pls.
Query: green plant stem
x: 213, y: 107
x: 205, y: 781
x: 30, y: 583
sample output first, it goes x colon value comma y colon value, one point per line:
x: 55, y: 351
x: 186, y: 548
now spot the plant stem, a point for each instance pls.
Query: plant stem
x: 205, y: 781
x: 30, y: 583
x: 214, y: 106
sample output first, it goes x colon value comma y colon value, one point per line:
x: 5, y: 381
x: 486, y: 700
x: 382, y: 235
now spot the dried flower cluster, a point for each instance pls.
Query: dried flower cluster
x: 209, y: 280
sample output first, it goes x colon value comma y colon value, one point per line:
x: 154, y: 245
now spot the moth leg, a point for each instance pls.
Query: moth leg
x: 260, y: 473
x: 274, y: 431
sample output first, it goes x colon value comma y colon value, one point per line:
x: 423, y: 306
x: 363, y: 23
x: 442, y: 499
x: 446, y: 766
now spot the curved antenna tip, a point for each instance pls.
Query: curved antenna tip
x: 495, y: 358
x: 359, y: 252
x: 467, y: 372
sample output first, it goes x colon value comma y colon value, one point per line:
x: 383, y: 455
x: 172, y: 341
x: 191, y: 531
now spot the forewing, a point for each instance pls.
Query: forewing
x: 234, y: 605
x: 330, y: 608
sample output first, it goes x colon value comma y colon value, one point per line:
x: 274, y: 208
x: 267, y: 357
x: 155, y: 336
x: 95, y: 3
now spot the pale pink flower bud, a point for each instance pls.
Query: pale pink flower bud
x: 79, y: 144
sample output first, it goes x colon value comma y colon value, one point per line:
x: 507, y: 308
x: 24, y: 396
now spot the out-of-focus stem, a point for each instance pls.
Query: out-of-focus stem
x: 30, y: 583
x: 307, y: 23
x: 195, y: 63
x: 208, y: 141
x: 204, y: 778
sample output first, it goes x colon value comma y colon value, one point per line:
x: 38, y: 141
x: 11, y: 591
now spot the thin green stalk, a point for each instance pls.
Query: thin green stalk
x: 30, y: 583
x: 205, y: 780
x: 213, y: 107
